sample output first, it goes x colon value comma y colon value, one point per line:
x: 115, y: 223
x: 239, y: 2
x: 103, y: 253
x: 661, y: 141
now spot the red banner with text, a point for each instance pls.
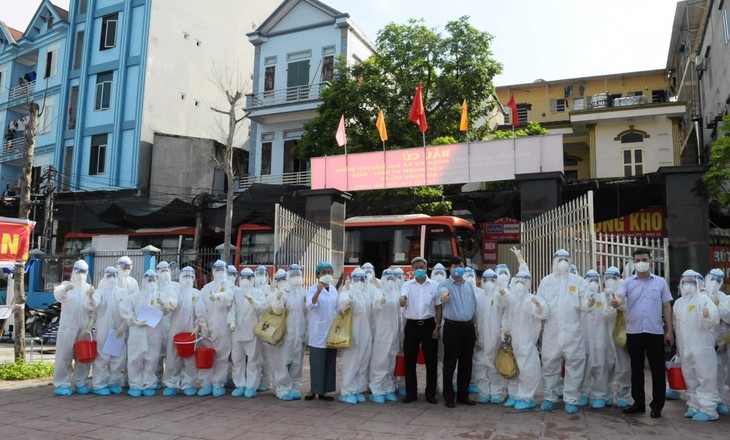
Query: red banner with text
x: 14, y: 240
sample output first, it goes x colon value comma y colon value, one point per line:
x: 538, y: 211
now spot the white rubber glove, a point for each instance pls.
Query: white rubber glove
x: 383, y: 300
x: 121, y: 331
x: 139, y: 323
x: 90, y: 291
x: 232, y: 326
x: 536, y: 302
x: 278, y: 294
x: 591, y: 301
x: 214, y: 296
x: 69, y: 287
x: 502, y: 292
x: 505, y: 334
x: 705, y: 312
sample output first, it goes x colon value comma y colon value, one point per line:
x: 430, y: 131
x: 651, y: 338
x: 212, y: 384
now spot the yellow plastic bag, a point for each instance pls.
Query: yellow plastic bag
x: 271, y: 328
x: 505, y: 361
x: 619, y: 329
x: 340, y: 330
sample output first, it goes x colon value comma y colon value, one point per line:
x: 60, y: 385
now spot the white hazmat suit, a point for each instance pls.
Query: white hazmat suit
x: 386, y: 328
x: 246, y: 351
x: 490, y: 383
x: 356, y: 358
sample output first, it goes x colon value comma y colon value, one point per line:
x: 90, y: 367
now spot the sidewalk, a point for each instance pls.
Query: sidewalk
x: 30, y: 411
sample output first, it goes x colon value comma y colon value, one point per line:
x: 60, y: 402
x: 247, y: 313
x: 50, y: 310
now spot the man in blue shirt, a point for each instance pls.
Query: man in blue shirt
x: 459, y: 311
x: 647, y: 300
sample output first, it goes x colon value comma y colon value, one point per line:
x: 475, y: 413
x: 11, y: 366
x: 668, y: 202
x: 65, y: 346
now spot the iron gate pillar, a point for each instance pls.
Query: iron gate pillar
x: 539, y: 193
x: 326, y: 208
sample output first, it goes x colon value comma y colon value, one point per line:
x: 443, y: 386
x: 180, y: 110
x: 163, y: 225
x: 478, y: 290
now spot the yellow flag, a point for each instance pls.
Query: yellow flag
x: 380, y: 124
x: 464, y: 125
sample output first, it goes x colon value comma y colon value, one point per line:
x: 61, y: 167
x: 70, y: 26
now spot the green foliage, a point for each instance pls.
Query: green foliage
x: 23, y: 371
x: 717, y: 176
x: 444, y: 140
x: 451, y: 66
x: 419, y: 200
x: 533, y: 129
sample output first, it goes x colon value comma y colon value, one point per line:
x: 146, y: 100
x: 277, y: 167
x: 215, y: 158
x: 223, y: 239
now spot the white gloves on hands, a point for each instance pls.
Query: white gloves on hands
x: 121, y: 331
x: 278, y: 294
x: 705, y: 312
x: 591, y: 301
x: 383, y: 300
x: 139, y: 323
x: 502, y: 292
x: 536, y: 302
x: 232, y: 326
x: 69, y: 287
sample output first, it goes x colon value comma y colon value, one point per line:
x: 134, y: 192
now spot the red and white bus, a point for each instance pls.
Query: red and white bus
x: 383, y: 240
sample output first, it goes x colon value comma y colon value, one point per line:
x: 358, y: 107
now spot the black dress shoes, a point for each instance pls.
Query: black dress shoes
x: 655, y: 414
x: 466, y: 401
x: 409, y: 399
x: 450, y: 404
x: 634, y: 409
x: 432, y: 400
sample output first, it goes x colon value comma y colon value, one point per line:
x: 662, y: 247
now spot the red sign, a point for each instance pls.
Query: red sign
x: 14, y: 240
x: 648, y: 222
x: 720, y: 258
x: 504, y: 229
x: 490, y: 253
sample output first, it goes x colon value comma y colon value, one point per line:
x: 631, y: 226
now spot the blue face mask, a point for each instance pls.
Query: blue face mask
x: 459, y: 272
x: 420, y: 273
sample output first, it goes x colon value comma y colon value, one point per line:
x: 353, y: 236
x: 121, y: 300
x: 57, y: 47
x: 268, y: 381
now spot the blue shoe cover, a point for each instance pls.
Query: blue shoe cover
x: 547, y: 406
x: 205, y: 391
x: 149, y: 392
x: 169, y: 392
x: 690, y: 413
x: 297, y: 395
x: 598, y: 403
x: 722, y: 409
x: 570, y: 408
x: 525, y: 404
x: 359, y: 397
x: 238, y: 392
x: 82, y: 389
x: 158, y: 386
x: 401, y: 391
x: 115, y: 388
x: 473, y: 389
x: 510, y: 402
x: 63, y: 391
x: 287, y: 396
x: 484, y: 398
x: 250, y: 393
x: 101, y: 391
x: 377, y: 398
x: 673, y: 394
x: 190, y: 391
x: 622, y: 403
x: 496, y: 398
x: 349, y: 398
x: 262, y: 387
x: 219, y: 391
x: 583, y: 401
x: 701, y: 417
x: 134, y: 392
x: 391, y: 397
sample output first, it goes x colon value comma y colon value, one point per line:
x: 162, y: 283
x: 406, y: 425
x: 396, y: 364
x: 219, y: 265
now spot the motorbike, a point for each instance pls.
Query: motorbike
x: 39, y: 319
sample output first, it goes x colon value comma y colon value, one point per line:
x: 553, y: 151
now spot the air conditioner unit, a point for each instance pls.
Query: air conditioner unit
x: 700, y: 63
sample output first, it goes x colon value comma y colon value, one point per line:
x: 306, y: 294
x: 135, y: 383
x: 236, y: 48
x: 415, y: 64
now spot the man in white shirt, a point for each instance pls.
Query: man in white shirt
x: 423, y: 319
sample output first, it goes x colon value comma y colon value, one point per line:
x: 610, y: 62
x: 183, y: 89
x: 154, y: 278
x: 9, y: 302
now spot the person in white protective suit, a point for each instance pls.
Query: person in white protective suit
x: 73, y: 296
x: 211, y: 315
x: 438, y: 273
x: 261, y: 282
x: 490, y: 384
x: 286, y: 359
x: 373, y: 281
x: 108, y: 371
x: 167, y: 289
x: 386, y: 328
x: 246, y: 352
x: 621, y: 370
x: 400, y: 279
x: 356, y: 358
x: 522, y: 318
x: 695, y: 321
x: 503, y: 276
x: 180, y: 373
x: 713, y: 283
x: 261, y: 278
x: 563, y: 338
x: 144, y: 344
x: 598, y: 326
x: 126, y: 281
x: 400, y: 276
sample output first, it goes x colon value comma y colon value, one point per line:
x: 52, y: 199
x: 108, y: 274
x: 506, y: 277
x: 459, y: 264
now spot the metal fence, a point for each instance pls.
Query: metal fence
x: 297, y: 240
x: 615, y: 250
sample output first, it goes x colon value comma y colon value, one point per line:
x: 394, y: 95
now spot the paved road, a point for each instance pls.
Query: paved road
x: 28, y: 410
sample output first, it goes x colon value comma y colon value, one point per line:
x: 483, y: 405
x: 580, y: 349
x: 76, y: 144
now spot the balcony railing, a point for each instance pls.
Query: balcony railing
x: 290, y: 95
x: 298, y: 178
x: 21, y: 91
x: 14, y: 146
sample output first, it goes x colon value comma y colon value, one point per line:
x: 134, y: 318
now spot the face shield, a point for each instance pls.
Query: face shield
x: 520, y: 285
x: 713, y: 282
x: 187, y: 279
x: 219, y: 274
x: 688, y: 285
x: 438, y: 275
x: 295, y: 277
x: 358, y: 282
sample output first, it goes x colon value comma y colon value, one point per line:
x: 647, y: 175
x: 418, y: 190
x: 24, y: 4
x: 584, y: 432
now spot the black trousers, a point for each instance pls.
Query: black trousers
x: 651, y: 345
x: 459, y: 341
x: 419, y: 333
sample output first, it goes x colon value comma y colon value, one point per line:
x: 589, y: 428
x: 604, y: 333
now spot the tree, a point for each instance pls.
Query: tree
x: 533, y: 129
x: 233, y: 88
x: 717, y: 176
x: 451, y: 67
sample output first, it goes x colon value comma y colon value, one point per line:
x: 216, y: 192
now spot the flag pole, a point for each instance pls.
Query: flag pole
x: 514, y: 150
x: 347, y: 170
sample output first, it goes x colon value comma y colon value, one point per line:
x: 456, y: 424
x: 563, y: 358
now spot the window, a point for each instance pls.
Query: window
x: 522, y: 110
x: 658, y: 96
x: 49, y: 24
x: 68, y: 154
x: 637, y: 93
x: 2, y: 85
x: 292, y: 163
x: 632, y: 137
x: 78, y: 50
x: 328, y: 68
x: 36, y: 177
x: 50, y: 64
x: 73, y: 103
x: 633, y: 162
x: 108, y: 31
x: 82, y: 6
x: 46, y: 119
x: 269, y: 76
x: 97, y: 158
x: 265, y: 158
x: 297, y: 81
x: 725, y: 26
x: 557, y: 105
x: 257, y: 247
x: 103, y: 97
x: 579, y: 104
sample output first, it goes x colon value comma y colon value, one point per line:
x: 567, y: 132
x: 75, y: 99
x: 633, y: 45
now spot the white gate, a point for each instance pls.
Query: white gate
x: 298, y: 240
x: 571, y: 227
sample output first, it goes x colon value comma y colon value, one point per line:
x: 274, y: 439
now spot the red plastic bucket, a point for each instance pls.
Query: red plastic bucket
x: 421, y: 359
x: 184, y: 344
x: 85, y: 350
x: 400, y: 366
x: 675, y: 376
x: 204, y: 357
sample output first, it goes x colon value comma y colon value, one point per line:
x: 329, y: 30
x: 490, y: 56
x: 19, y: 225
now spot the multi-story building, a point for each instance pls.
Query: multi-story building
x: 295, y: 52
x: 619, y: 125
x: 31, y: 67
